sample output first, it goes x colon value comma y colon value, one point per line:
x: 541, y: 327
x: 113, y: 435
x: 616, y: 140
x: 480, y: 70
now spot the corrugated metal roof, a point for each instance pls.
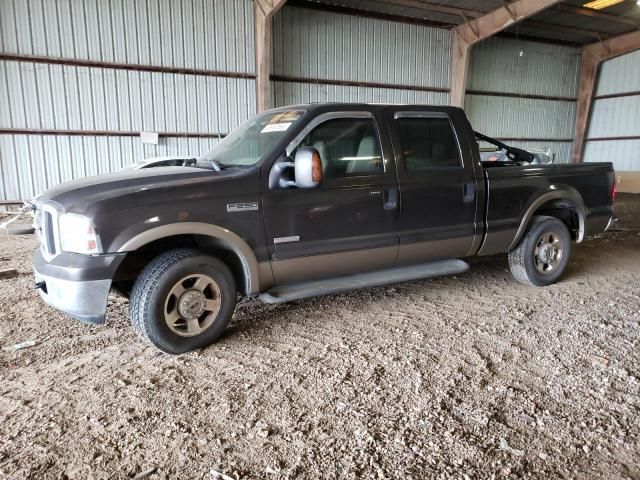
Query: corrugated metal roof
x: 555, y: 23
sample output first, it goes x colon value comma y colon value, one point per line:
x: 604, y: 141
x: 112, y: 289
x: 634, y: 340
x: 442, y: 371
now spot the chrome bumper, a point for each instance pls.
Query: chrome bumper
x: 83, y: 300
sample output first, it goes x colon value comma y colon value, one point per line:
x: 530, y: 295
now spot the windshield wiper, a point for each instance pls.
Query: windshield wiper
x: 216, y: 165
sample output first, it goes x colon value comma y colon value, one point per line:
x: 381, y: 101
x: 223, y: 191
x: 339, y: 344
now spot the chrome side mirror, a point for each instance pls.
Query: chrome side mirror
x: 308, y: 168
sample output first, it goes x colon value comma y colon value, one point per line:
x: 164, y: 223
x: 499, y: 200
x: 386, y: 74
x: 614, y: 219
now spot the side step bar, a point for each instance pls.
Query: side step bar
x: 296, y: 291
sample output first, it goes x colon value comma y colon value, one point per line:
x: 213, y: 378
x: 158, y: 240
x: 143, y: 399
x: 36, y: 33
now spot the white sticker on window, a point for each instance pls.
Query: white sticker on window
x: 276, y: 127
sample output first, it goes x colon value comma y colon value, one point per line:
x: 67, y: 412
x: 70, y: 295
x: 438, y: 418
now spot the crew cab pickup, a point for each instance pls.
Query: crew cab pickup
x: 307, y: 200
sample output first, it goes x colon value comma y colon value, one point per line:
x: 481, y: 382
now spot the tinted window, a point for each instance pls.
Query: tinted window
x: 347, y: 146
x: 427, y: 143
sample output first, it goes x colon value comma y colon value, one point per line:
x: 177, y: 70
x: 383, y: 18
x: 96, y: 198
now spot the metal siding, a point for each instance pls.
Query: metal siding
x: 615, y: 117
x: 625, y: 154
x: 620, y: 75
x: 290, y: 93
x: 32, y: 163
x: 618, y: 116
x: 524, y: 67
x: 134, y: 31
x: 203, y: 34
x: 328, y: 46
x: 520, y: 117
x: 100, y: 99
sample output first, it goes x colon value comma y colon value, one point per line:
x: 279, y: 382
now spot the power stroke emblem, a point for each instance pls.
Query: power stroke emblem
x: 242, y: 207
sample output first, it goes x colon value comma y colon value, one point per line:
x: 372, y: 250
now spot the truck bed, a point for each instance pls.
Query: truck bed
x: 512, y: 190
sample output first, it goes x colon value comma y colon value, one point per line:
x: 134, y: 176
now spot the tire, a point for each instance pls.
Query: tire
x: 166, y: 309
x: 545, y: 235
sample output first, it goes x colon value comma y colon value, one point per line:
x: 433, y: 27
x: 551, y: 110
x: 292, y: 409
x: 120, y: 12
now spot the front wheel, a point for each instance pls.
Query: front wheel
x: 542, y: 255
x: 182, y: 301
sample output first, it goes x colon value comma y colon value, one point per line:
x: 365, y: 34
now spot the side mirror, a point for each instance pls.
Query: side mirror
x: 308, y: 168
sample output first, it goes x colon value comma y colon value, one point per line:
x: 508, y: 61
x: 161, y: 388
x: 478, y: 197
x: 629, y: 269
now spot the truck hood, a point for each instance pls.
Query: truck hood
x: 78, y: 195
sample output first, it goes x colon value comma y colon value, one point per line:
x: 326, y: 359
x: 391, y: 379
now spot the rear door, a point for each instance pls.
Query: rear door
x: 438, y: 192
x: 348, y: 223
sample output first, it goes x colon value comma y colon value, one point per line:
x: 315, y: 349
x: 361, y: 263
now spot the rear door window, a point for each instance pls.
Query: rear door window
x: 427, y: 142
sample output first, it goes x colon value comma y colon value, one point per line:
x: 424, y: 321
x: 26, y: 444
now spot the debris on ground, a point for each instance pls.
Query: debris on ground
x: 504, y: 445
x: 21, y: 345
x: 8, y: 273
x: 599, y: 360
x: 215, y: 474
x: 145, y: 474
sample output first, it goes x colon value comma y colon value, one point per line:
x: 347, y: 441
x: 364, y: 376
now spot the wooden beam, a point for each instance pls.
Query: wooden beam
x: 459, y: 67
x: 263, y: 11
x: 615, y: 46
x: 497, y: 20
x: 588, y: 73
x: 592, y: 56
x: 473, y: 31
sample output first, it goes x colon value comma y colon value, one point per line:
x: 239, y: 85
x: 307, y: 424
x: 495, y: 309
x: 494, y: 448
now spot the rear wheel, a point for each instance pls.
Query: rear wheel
x: 182, y: 301
x: 542, y: 255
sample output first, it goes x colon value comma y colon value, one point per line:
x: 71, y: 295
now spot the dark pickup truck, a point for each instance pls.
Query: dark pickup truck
x: 307, y: 200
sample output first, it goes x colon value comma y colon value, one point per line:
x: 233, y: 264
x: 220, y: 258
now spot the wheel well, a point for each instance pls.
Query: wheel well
x: 565, y: 211
x: 134, y: 262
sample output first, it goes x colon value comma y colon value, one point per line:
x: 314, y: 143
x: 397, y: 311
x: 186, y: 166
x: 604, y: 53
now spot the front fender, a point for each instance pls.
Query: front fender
x: 225, y: 236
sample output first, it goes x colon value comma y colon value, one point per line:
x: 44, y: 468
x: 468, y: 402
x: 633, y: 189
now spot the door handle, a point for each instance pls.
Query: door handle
x: 390, y: 198
x: 468, y: 192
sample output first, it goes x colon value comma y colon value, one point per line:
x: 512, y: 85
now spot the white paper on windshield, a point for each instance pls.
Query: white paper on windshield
x: 276, y: 127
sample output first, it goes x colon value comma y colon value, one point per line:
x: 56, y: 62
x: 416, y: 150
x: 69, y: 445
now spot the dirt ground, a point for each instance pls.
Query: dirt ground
x: 463, y: 377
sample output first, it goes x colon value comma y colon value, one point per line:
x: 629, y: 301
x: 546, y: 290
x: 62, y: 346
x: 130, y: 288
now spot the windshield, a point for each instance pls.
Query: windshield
x: 249, y: 142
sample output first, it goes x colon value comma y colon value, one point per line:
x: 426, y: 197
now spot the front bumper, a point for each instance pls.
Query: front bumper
x: 77, y: 285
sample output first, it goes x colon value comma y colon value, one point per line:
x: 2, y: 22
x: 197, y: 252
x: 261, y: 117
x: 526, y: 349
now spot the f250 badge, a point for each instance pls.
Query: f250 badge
x: 242, y: 207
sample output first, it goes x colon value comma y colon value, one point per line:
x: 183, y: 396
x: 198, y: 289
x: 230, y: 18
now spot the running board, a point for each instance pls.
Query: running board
x: 327, y: 286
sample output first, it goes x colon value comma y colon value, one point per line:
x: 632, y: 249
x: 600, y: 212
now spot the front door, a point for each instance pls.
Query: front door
x: 347, y: 224
x: 437, y: 189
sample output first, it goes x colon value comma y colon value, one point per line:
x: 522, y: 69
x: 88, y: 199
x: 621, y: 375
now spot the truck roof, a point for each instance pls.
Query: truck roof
x: 330, y: 106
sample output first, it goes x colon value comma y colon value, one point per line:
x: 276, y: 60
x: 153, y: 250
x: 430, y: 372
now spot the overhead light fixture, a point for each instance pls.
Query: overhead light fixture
x: 600, y: 4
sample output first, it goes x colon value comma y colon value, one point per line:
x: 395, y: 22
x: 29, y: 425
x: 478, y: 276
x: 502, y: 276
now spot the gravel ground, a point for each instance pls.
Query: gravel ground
x: 463, y: 377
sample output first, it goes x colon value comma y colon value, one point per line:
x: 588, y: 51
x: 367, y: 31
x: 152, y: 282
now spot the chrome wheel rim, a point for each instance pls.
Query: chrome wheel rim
x: 192, y: 305
x: 548, y: 253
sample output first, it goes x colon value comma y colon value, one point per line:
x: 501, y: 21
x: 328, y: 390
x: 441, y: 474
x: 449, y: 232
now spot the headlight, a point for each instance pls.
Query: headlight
x: 77, y: 234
